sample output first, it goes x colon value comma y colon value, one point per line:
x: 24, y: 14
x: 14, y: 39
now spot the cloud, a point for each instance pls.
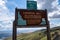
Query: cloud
x: 7, y: 13
x: 6, y: 18
x: 53, y: 10
x: 54, y: 22
x: 58, y: 24
x: 56, y: 12
x: 51, y: 5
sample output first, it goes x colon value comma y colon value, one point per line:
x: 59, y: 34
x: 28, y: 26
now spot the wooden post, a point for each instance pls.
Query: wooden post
x: 14, y: 25
x: 14, y: 31
x: 48, y: 26
x: 48, y: 32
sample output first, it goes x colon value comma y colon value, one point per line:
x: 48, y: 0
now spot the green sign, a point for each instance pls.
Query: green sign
x: 20, y: 20
x: 32, y: 5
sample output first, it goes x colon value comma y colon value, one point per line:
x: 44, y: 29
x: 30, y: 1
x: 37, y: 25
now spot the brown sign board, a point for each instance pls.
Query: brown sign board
x: 26, y: 17
x: 30, y: 18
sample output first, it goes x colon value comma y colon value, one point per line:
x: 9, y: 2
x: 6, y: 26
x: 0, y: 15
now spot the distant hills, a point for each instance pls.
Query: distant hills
x: 36, y: 35
x: 4, y: 34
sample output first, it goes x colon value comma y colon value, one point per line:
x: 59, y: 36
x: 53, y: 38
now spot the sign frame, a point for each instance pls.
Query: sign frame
x: 26, y: 26
x: 15, y: 26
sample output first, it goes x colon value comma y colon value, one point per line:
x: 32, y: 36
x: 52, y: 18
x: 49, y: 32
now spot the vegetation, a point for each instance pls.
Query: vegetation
x: 37, y: 35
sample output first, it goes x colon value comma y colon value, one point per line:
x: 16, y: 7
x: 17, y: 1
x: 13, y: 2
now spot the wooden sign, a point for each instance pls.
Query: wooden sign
x: 31, y: 17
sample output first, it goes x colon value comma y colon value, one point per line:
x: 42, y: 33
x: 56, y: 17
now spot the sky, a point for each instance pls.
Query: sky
x: 7, y: 12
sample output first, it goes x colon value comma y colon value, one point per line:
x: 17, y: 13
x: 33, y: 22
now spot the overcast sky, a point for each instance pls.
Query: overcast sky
x: 7, y: 12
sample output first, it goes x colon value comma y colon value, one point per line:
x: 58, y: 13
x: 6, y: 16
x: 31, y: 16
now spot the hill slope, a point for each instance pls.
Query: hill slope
x: 37, y: 35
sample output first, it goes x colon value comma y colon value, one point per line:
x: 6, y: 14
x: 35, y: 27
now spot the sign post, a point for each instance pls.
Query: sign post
x: 31, y: 19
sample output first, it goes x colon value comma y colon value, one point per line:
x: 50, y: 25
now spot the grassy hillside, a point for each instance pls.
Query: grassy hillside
x: 37, y: 35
